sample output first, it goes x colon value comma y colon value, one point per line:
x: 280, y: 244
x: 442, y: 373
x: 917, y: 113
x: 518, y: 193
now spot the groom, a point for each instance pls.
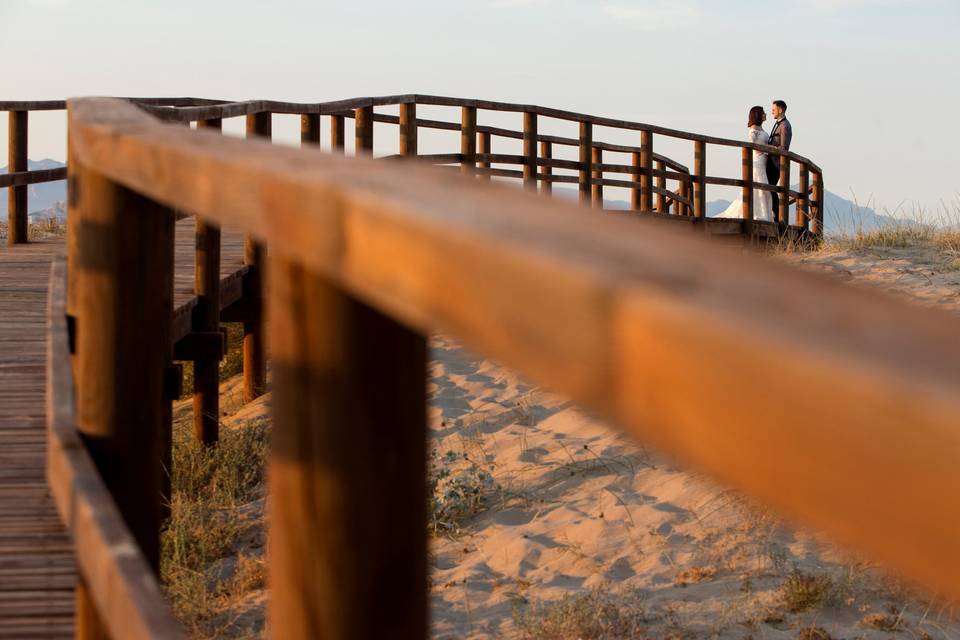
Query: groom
x: 780, y: 136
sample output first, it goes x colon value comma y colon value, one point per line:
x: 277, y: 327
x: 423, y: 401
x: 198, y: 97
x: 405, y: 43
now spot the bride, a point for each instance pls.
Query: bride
x: 762, y: 200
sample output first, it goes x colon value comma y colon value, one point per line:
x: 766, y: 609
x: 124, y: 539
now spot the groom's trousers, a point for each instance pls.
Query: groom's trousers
x: 773, y: 177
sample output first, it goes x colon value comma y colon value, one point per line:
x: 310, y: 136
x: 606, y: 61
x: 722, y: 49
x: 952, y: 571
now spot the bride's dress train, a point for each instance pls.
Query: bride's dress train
x: 762, y: 200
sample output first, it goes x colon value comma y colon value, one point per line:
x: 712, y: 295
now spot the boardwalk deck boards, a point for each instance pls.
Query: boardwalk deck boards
x: 37, y: 572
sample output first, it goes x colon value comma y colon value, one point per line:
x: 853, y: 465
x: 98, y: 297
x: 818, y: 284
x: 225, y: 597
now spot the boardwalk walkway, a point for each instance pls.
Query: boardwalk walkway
x: 36, y: 561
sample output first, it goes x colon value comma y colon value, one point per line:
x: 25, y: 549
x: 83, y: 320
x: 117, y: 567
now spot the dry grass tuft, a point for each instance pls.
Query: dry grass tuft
x: 210, y: 484
x: 695, y: 575
x: 805, y: 591
x: 597, y: 614
x: 814, y: 633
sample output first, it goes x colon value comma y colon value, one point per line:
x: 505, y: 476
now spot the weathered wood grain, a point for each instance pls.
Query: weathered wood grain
x: 641, y: 307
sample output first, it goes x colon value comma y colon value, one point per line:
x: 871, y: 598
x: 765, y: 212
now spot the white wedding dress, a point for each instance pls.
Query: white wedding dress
x: 762, y: 200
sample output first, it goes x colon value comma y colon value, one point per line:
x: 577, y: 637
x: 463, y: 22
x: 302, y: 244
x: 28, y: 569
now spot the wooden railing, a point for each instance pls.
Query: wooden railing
x: 837, y: 406
x: 657, y: 183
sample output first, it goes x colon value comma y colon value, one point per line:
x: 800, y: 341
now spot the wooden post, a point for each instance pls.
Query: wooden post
x: 646, y: 167
x: 699, y: 184
x: 17, y: 221
x: 596, y: 159
x: 337, y: 136
x: 87, y: 623
x: 206, y: 318
x: 684, y: 193
x: 546, y: 182
x: 347, y: 486
x: 309, y: 128
x: 803, y: 202
x: 484, y: 150
x: 123, y: 275
x: 259, y: 125
x: 530, y: 150
x: 586, y: 157
x: 363, y: 130
x: 816, y: 202
x: 662, y: 186
x: 746, y: 192
x: 408, y: 129
x: 784, y: 215
x: 468, y: 140
x: 636, y: 200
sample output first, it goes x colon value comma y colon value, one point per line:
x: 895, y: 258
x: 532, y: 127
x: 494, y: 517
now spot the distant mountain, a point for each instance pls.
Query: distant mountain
x: 42, y: 199
x: 839, y: 216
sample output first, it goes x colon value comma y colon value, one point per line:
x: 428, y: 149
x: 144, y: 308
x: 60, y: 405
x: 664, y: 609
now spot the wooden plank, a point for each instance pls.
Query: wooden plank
x: 363, y: 131
x: 641, y: 308
x: 746, y: 193
x: 468, y: 140
x: 596, y: 183
x: 546, y: 178
x: 586, y: 157
x: 206, y: 318
x: 408, y: 130
x: 17, y: 222
x: 803, y: 202
x: 260, y: 127
x: 699, y: 181
x: 120, y: 577
x: 530, y: 150
x: 347, y: 504
x: 484, y: 150
x: 123, y: 345
x: 36, y: 176
x: 337, y: 134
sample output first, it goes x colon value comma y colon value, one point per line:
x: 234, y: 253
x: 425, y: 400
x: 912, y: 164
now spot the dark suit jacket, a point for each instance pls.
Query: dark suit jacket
x: 780, y: 136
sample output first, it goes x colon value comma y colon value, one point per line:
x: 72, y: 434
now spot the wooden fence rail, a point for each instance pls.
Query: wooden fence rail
x: 366, y: 258
x: 647, y: 174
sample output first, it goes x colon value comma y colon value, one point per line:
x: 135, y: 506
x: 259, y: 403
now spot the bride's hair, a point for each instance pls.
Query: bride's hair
x: 756, y: 117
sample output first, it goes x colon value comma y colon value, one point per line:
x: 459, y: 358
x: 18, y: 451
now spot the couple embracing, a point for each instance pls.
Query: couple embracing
x: 766, y: 168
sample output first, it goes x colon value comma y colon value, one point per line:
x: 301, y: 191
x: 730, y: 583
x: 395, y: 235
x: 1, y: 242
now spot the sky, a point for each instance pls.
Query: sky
x: 872, y: 85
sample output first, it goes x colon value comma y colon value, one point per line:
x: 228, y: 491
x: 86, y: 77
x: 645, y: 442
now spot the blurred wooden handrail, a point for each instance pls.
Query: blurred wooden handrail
x: 834, y: 404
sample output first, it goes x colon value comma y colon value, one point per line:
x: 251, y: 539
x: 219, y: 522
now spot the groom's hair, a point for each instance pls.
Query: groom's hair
x: 781, y: 104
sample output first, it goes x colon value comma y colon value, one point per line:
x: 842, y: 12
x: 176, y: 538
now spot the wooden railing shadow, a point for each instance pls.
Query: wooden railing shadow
x: 803, y: 392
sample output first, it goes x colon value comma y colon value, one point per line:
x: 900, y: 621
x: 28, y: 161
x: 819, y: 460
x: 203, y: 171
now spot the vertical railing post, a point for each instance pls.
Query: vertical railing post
x: 699, y: 180
x: 259, y: 125
x: 408, y: 130
x: 684, y: 188
x: 206, y: 318
x: 586, y: 157
x: 123, y: 276
x: 817, y: 206
x: 309, y: 128
x: 484, y: 150
x: 347, y: 475
x: 468, y: 140
x: 530, y: 150
x: 17, y: 220
x: 803, y: 202
x: 784, y: 213
x: 662, y: 186
x: 646, y: 167
x: 363, y: 130
x: 337, y: 135
x: 746, y: 192
x: 546, y: 180
x: 596, y: 160
x: 636, y: 163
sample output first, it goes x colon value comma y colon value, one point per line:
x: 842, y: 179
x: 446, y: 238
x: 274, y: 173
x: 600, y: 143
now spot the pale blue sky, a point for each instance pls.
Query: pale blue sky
x: 872, y: 84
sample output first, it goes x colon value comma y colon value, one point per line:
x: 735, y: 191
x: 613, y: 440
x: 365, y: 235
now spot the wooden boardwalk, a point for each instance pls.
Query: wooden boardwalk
x: 37, y: 572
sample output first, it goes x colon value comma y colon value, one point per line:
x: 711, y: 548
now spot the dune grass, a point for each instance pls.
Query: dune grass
x: 210, y: 485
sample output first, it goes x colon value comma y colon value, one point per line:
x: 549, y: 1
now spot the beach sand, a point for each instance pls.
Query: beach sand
x: 550, y: 524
